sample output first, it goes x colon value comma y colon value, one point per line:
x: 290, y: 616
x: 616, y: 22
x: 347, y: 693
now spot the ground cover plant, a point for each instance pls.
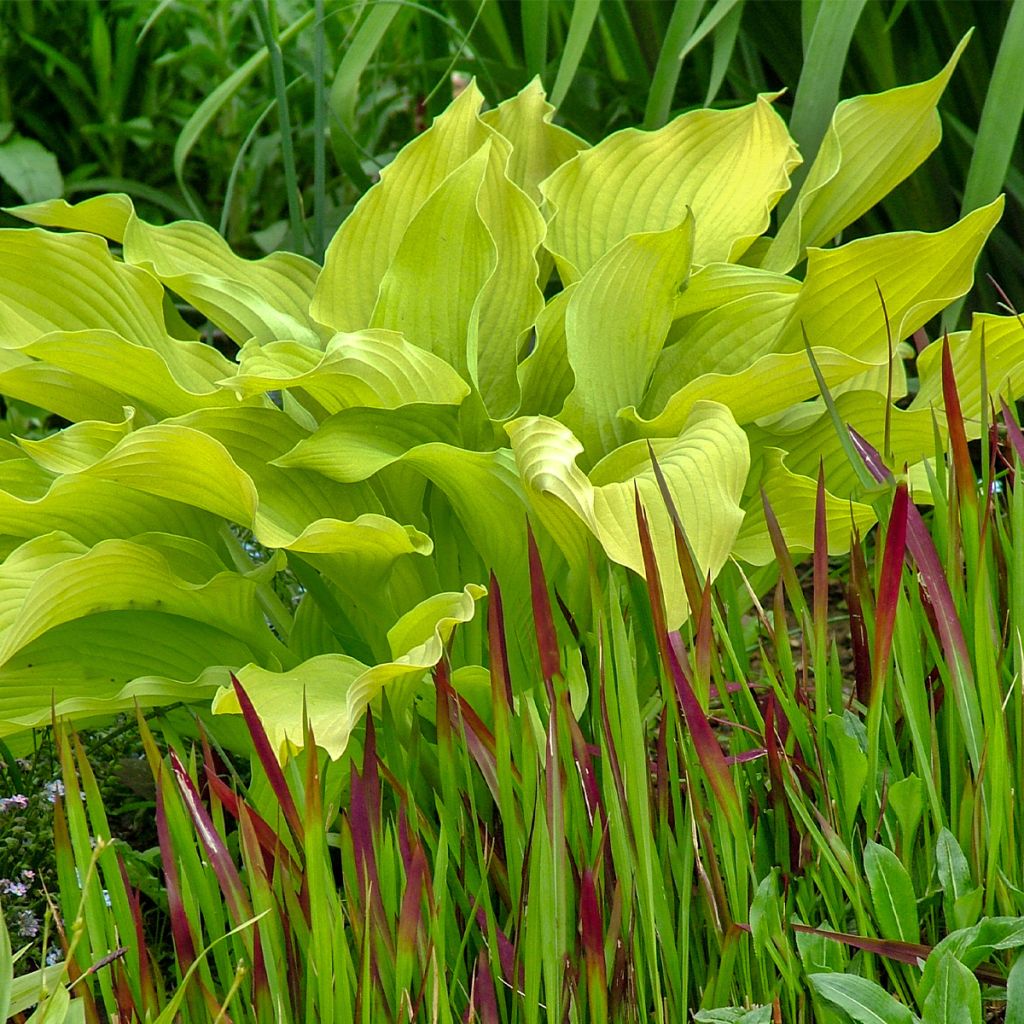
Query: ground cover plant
x: 733, y: 824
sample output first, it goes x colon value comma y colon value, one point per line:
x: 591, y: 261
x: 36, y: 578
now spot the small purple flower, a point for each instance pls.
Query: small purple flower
x: 9, y: 888
x: 28, y: 924
x: 18, y: 800
x: 28, y: 875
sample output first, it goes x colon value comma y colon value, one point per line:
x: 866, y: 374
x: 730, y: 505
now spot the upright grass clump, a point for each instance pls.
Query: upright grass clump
x: 775, y: 816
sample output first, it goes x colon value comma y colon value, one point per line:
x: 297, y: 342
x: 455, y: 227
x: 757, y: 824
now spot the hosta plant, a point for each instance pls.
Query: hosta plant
x: 505, y: 328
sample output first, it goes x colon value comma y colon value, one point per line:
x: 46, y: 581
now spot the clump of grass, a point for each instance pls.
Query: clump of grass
x: 720, y: 821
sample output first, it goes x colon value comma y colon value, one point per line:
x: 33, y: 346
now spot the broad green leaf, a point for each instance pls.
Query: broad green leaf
x: 92, y: 510
x: 705, y: 467
x: 997, y: 340
x: 615, y: 326
x: 102, y: 668
x: 182, y: 464
x: 177, y: 379
x: 864, y: 1001
x: 538, y: 146
x: 954, y: 871
x: 77, y: 446
x: 101, y: 215
x: 334, y: 690
x: 724, y: 340
x: 483, y: 487
x: 765, y: 914
x: 65, y: 393
x: 51, y: 282
x: 545, y: 376
x: 354, y: 444
x: 955, y: 995
x: 432, y: 288
x: 850, y: 765
x: 892, y: 894
x: 918, y: 275
x: 769, y: 385
x: 373, y: 369
x: 716, y: 284
x: 370, y: 236
x: 793, y: 498
x: 266, y: 299
x: 873, y: 143
x: 52, y: 580
x: 809, y: 439
x: 728, y: 168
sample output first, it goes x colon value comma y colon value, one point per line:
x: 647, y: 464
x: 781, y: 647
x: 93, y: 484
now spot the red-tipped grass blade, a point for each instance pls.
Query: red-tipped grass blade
x: 592, y: 940
x: 709, y: 752
x: 544, y: 622
x: 497, y: 644
x: 1013, y: 431
x: 684, y: 553
x: 963, y: 470
x: 782, y: 555
x: 484, y: 999
x: 181, y: 930
x: 936, y: 586
x: 220, y: 859
x: 416, y: 872
x: 269, y: 760
x: 889, y: 584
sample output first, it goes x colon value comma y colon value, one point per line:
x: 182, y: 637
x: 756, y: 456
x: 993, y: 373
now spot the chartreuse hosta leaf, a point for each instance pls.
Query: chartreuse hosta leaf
x: 538, y: 147
x: 748, y: 352
x: 873, y: 143
x: 332, y: 691
x: 705, y: 468
x: 728, y: 168
x: 792, y: 497
x: 615, y: 325
x: 471, y: 302
x: 372, y: 369
x: 54, y: 590
x: 265, y: 299
x: 447, y: 246
x: 994, y: 343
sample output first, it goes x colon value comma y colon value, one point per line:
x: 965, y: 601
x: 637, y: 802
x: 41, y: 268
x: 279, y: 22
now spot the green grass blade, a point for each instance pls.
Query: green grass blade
x: 817, y: 92
x: 291, y: 181
x: 663, y: 86
x: 534, y: 19
x: 319, y: 136
x: 998, y: 130
x: 211, y: 106
x: 584, y: 14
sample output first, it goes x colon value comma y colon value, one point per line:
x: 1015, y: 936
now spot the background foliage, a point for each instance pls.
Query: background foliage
x: 361, y: 78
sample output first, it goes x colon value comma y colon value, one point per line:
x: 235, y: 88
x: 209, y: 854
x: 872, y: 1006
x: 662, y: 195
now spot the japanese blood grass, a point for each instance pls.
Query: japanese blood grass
x: 781, y: 813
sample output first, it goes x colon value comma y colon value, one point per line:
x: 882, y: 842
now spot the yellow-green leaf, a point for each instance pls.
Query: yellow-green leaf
x: 372, y: 369
x: 729, y: 167
x: 333, y: 691
x: 705, y: 467
x: 872, y: 144
x: 615, y: 326
x: 366, y: 243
